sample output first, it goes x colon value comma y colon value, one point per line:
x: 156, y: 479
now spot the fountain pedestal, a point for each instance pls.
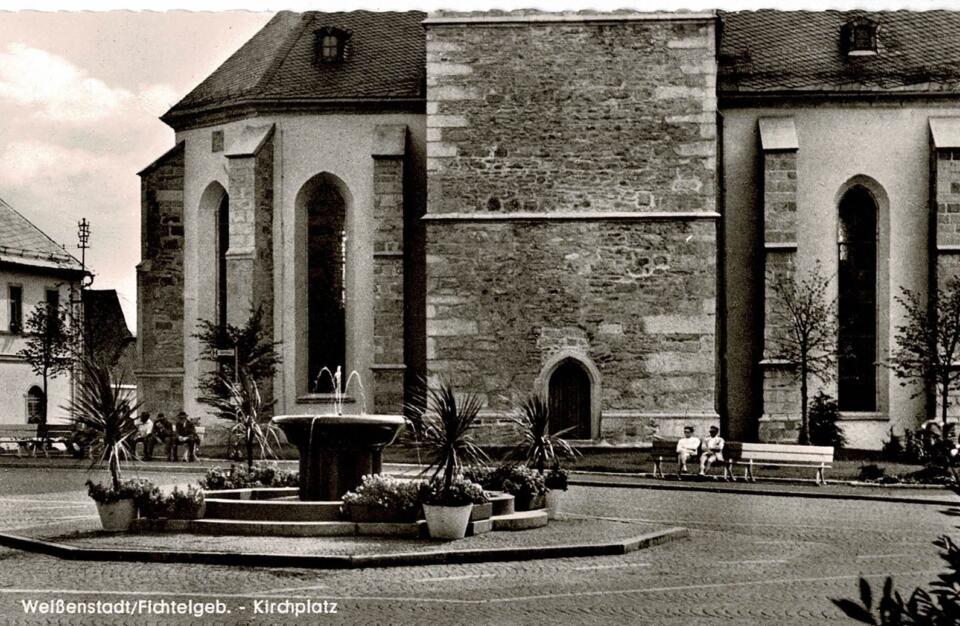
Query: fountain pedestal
x: 336, y: 451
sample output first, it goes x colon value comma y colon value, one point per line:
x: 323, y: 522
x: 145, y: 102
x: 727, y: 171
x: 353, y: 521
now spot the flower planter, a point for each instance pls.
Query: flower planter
x: 117, y: 516
x: 447, y: 522
x: 529, y: 503
x: 553, y: 498
x: 373, y: 514
x: 481, y: 512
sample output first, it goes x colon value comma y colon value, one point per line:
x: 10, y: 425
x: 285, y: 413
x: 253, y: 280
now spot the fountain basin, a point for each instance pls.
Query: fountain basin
x: 336, y: 451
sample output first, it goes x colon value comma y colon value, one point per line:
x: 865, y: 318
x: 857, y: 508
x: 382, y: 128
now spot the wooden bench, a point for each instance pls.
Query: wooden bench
x: 31, y: 437
x: 751, y: 454
x: 779, y: 455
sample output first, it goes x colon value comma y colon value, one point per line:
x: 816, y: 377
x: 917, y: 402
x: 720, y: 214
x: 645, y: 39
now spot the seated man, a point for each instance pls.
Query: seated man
x: 144, y: 436
x: 712, y: 450
x: 185, y: 432
x: 687, y: 448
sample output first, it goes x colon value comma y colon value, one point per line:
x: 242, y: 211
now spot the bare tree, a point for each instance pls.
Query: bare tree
x: 928, y: 343
x: 804, y: 333
x: 49, y: 348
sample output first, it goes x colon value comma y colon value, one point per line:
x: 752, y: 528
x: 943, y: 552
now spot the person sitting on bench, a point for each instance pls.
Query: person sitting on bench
x: 712, y: 450
x: 185, y: 432
x: 687, y: 448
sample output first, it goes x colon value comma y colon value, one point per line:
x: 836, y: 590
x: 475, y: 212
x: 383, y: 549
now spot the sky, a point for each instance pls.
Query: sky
x: 81, y: 93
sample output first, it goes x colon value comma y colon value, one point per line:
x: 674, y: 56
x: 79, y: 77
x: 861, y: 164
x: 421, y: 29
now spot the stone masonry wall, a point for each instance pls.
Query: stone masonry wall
x: 600, y: 116
x: 637, y: 299
x: 781, y: 390
x: 571, y: 209
x: 160, y: 285
x: 388, y: 207
x: 947, y: 241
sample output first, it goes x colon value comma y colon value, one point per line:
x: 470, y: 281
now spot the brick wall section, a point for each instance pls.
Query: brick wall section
x: 388, y: 319
x: 637, y: 299
x: 160, y: 285
x: 947, y: 202
x: 584, y: 118
x: 781, y: 392
x: 572, y: 116
x: 250, y: 256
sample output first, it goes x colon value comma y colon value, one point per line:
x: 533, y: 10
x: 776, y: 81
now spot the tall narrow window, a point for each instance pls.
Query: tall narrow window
x: 16, y: 308
x: 326, y: 287
x: 53, y: 310
x: 223, y: 245
x: 857, y: 301
x: 35, y: 405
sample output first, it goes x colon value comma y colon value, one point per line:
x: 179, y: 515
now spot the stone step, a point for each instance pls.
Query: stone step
x: 274, y: 528
x: 272, y: 510
x: 478, y: 527
x: 522, y: 520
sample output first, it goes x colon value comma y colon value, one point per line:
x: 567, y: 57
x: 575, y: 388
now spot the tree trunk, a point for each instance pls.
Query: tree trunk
x: 115, y: 468
x: 945, y: 396
x: 43, y: 405
x: 249, y: 449
x: 804, y: 426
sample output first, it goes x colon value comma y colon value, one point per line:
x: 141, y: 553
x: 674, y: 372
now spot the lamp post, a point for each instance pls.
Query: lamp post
x: 83, y: 237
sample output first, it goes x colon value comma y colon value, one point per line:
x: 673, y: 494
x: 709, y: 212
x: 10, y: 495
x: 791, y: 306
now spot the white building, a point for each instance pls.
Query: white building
x: 34, y: 269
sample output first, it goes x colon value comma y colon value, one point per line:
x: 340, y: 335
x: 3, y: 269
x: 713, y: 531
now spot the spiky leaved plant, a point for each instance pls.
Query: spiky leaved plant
x: 538, y: 446
x: 443, y: 430
x: 104, y: 409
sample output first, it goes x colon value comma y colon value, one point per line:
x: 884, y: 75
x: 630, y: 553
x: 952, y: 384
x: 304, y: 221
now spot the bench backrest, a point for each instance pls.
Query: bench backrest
x: 664, y: 447
x: 783, y: 453
x: 18, y: 430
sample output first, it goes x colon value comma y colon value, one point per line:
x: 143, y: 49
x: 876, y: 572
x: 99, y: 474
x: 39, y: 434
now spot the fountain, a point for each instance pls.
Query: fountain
x: 337, y: 450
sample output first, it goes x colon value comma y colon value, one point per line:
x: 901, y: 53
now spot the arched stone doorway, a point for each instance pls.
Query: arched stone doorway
x: 857, y: 300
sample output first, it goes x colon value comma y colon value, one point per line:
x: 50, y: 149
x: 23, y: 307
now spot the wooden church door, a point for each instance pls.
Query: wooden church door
x: 569, y: 392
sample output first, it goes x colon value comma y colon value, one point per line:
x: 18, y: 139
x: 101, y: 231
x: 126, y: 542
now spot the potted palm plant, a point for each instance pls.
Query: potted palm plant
x: 539, y: 447
x: 104, y: 410
x: 443, y: 432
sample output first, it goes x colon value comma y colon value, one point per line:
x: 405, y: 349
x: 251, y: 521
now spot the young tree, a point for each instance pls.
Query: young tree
x: 928, y: 344
x: 233, y: 387
x: 804, y: 333
x: 49, y: 346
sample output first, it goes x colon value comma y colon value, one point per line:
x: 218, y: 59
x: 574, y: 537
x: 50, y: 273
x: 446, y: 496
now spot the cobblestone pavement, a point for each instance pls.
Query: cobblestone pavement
x: 749, y: 560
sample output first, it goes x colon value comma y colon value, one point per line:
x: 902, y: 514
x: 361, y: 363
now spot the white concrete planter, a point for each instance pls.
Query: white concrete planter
x: 117, y: 516
x: 447, y: 522
x: 553, y: 498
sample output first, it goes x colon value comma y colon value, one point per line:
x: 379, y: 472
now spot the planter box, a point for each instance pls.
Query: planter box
x: 553, y: 498
x: 372, y: 514
x: 481, y: 512
x: 530, y: 503
x: 117, y: 516
x: 447, y: 522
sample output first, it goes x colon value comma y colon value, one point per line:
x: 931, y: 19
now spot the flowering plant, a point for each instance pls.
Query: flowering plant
x: 239, y: 477
x: 557, y: 478
x: 519, y: 480
x: 386, y: 492
x: 459, y: 493
x: 137, y: 489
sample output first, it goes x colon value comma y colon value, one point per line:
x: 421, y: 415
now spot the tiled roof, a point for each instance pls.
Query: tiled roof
x: 385, y: 58
x: 800, y: 51
x: 23, y: 243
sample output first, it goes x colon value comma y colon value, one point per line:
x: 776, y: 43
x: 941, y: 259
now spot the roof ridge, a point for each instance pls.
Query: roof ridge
x: 6, y: 205
x: 292, y: 38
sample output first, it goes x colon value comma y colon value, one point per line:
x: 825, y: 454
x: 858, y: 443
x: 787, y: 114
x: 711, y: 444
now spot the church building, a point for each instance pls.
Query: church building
x: 589, y: 206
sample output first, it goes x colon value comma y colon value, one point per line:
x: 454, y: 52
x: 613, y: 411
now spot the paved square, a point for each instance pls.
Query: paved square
x: 749, y: 559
